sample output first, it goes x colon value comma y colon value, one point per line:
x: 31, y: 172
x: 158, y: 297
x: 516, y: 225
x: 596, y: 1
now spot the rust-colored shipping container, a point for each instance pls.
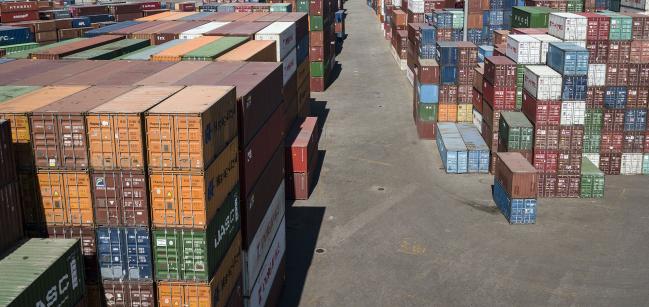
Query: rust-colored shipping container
x: 465, y: 95
x: 619, y: 51
x: 597, y: 51
x: 544, y: 112
x: 547, y: 185
x: 136, y: 28
x: 613, y: 120
x: 175, y: 53
x: 633, y: 142
x: 448, y: 93
x: 639, y: 74
x: 60, y: 73
x: 569, y: 162
x: 252, y: 51
x: 120, y: 198
x: 640, y: 26
x: 7, y: 157
x: 500, y: 71
x: 239, y: 28
x: 611, y: 142
x: 595, y: 97
x: 546, y: 161
x: 490, y: 117
x: 571, y: 137
x: 129, y: 293
x: 116, y: 128
x: 66, y: 197
x: 637, y: 97
x: 191, y: 199
x: 211, y: 294
x: 59, y: 129
x: 18, y: 111
x: 211, y: 74
x: 610, y: 163
x: 516, y: 175
x: 476, y: 100
x: 546, y: 137
x: 499, y: 97
x: 174, y: 73
x: 189, y: 130
x: 74, y: 47
x: 150, y: 32
x: 500, y: 37
x: 156, y: 16
x: 115, y: 73
x: 617, y: 74
x: 11, y: 226
x: 428, y: 71
x: 86, y: 236
x: 302, y: 145
x: 568, y: 186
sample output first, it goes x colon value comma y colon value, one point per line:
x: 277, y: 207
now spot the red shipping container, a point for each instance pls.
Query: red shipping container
x: 595, y: 97
x: 516, y: 175
x: 633, y: 142
x: 448, y: 93
x: 478, y: 76
x: 476, y: 100
x: 464, y: 94
x: 546, y: 137
x: 640, y: 26
x: 529, y: 31
x: 425, y: 129
x: 619, y: 51
x: 444, y: 34
x: 638, y: 74
x: 500, y: 71
x: 490, y: 137
x: 617, y: 74
x: 317, y: 84
x: 431, y: 5
x: 610, y: 163
x: 571, y: 137
x: 465, y: 74
x: 613, y: 120
x: 302, y: 145
x: 544, y: 112
x: 646, y: 142
x: 597, y: 51
x: 150, y: 6
x: 500, y: 50
x: 499, y: 97
x: 299, y: 185
x: 569, y: 162
x: 637, y: 97
x: 18, y: 16
x: 467, y: 53
x: 639, y: 52
x: 568, y: 186
x: 611, y: 142
x: 489, y: 116
x: 598, y: 26
x: 546, y: 161
x: 120, y: 198
x: 428, y: 72
x: 7, y: 7
x: 547, y: 185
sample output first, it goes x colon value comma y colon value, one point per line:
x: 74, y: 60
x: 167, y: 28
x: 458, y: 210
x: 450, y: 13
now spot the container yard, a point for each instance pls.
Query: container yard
x: 324, y: 153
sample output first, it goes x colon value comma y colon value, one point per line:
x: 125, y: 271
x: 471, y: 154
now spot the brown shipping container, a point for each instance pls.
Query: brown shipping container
x: 252, y: 51
x: 37, y: 25
x: 7, y: 157
x: 59, y: 129
x: 7, y: 7
x: 18, y: 16
x: 610, y: 163
x: 136, y: 28
x: 569, y: 162
x: 191, y: 199
x: 120, y: 198
x: 150, y: 32
x: 619, y: 51
x: 127, y: 16
x: 74, y: 47
x: 568, y: 186
x: 175, y: 53
x: 156, y: 16
x: 129, y: 293
x: 239, y: 28
x: 571, y: 137
x: 86, y: 236
x: 67, y: 71
x: 547, y: 185
x: 26, y: 68
x: 188, y: 130
x: 500, y: 71
x: 66, y: 198
x: 116, y: 128
x: 116, y: 73
x: 172, y: 33
x: 516, y: 175
x: 210, y: 74
x: 212, y: 294
x: 18, y: 111
x: 43, y: 37
x: 272, y: 17
x: 11, y: 226
x: 428, y: 72
x: 174, y: 73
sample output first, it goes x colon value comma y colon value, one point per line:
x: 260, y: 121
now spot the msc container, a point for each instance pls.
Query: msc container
x: 515, y: 132
x: 541, y: 112
x: 42, y: 272
x: 189, y: 129
x: 545, y: 40
x: 215, y: 49
x: 568, y: 59
x: 252, y: 51
x: 66, y: 198
x: 573, y: 112
x: 284, y: 35
x: 530, y: 17
x: 15, y: 35
x: 110, y: 51
x: 478, y: 151
x: 75, y: 47
x: 524, y: 49
x: 120, y: 198
x: 59, y: 129
x: 542, y: 82
x: 451, y: 147
x: 516, y: 210
x: 124, y: 253
x: 596, y: 74
x: 175, y: 53
x: 258, y: 294
x: 11, y: 224
x: 631, y: 164
x: 517, y: 176
x: 500, y: 71
x: 568, y: 26
x: 128, y: 293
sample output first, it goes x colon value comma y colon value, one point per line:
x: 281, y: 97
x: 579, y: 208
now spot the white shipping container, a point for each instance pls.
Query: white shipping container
x: 263, y: 285
x: 631, y: 164
x: 524, y: 49
x: 573, y: 112
x: 578, y: 43
x: 477, y: 120
x: 593, y: 157
x: 545, y: 40
x: 542, y: 82
x: 289, y: 65
x: 596, y: 74
x: 416, y: 6
x: 198, y: 31
x: 634, y: 6
x: 283, y: 33
x: 645, y: 164
x: 568, y: 26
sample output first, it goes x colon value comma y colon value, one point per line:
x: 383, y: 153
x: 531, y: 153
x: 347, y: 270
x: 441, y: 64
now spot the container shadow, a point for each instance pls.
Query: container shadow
x: 302, y: 230
x: 335, y: 73
x: 316, y: 172
x: 318, y: 108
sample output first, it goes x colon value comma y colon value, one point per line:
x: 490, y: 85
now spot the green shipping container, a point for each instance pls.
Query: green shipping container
x: 110, y: 51
x: 215, y: 49
x: 43, y: 272
x: 621, y: 26
x: 318, y: 69
x: 194, y: 254
x: 575, y: 6
x: 428, y: 111
x: 11, y: 91
x: 592, y: 142
x: 592, y: 180
x: 303, y: 6
x: 26, y: 53
x: 281, y: 7
x: 515, y: 132
x: 645, y: 164
x: 530, y: 16
x: 19, y: 47
x: 458, y: 19
x: 594, y: 120
x: 316, y: 23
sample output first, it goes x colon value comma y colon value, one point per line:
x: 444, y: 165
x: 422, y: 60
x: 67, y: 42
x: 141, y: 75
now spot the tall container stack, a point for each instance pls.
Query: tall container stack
x: 457, y: 61
x: 524, y: 50
x: 515, y: 188
x: 11, y: 226
x: 496, y: 15
x: 194, y: 195
x: 321, y: 36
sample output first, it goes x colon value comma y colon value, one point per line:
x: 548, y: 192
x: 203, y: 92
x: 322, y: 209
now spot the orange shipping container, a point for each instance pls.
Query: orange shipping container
x: 116, y: 128
x: 465, y: 113
x: 447, y: 112
x: 176, y: 16
x: 252, y: 51
x: 191, y: 199
x: 157, y: 16
x: 212, y: 294
x: 188, y: 130
x: 66, y: 198
x: 175, y: 53
x: 18, y: 112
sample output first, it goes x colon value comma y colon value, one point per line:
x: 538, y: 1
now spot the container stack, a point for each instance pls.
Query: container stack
x: 322, y: 40
x: 592, y: 180
x: 302, y: 158
x: 11, y: 228
x: 515, y: 134
x: 515, y: 188
x: 18, y: 11
x: 456, y: 65
x: 462, y: 149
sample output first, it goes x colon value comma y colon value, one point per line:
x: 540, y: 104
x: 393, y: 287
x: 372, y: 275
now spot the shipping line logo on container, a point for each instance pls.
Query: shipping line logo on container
x: 267, y: 278
x: 6, y: 38
x: 228, y: 226
x: 227, y: 279
x: 226, y: 172
x: 56, y: 293
x: 227, y: 117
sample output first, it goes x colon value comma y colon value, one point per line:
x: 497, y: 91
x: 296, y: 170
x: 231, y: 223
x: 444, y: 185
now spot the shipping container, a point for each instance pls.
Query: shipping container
x: 252, y: 51
x: 146, y: 53
x: 451, y: 148
x: 598, y: 26
x: 215, y: 49
x: 517, y: 176
x: 124, y: 253
x: 66, y: 197
x: 110, y: 28
x: 284, y: 35
x: 7, y: 157
x: 175, y: 53
x: 120, y: 198
x: 568, y: 26
x: 524, y: 49
x: 109, y: 51
x: 8, y: 92
x: 173, y: 73
x: 500, y: 71
x: 568, y: 59
x: 541, y: 112
x: 515, y: 132
x: 610, y: 163
x: 547, y: 185
x: 11, y: 225
x: 631, y: 164
x: 200, y: 30
x: 27, y: 282
x: 542, y: 82
x: 621, y: 26
x: 596, y: 74
x: 129, y: 293
x: 530, y: 17
x: 568, y: 186
x: 573, y: 112
x: 259, y: 293
x: 499, y: 97
x: 516, y: 210
x: 478, y: 151
x: 15, y: 35
x: 75, y: 47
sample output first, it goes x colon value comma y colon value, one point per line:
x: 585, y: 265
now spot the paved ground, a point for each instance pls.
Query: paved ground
x: 397, y: 231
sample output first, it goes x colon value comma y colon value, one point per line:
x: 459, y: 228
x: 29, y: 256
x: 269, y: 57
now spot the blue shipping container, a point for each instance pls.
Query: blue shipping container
x: 447, y: 53
x: 484, y: 51
x: 568, y: 59
x: 81, y: 22
x: 212, y: 8
x: 635, y: 120
x: 4, y: 60
x: 427, y: 51
x: 615, y: 97
x: 478, y: 150
x: 447, y: 74
x: 474, y: 36
x: 302, y: 49
x: 197, y: 16
x: 124, y: 253
x: 443, y: 19
x: 496, y: 17
x: 15, y: 35
x: 574, y: 88
x: 457, y: 35
x: 517, y: 211
x: 451, y: 148
x: 340, y: 16
x: 428, y: 93
x: 428, y: 35
x: 100, y: 18
x: 110, y: 28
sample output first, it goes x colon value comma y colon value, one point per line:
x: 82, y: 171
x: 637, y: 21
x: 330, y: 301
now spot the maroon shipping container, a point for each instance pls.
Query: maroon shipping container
x: 569, y: 162
x: 7, y: 158
x: 610, y: 163
x: 491, y: 138
x: 116, y: 73
x: 611, y: 142
x: 490, y: 117
x: 425, y: 129
x: 465, y: 74
x: 597, y: 51
x: 464, y: 94
x: 11, y: 221
x: 67, y: 71
x: 302, y: 145
x: 18, y: 16
x: 124, y: 8
x: 239, y: 28
x: 544, y: 112
x: 74, y: 47
x: 7, y: 7
x: 547, y: 185
x: 59, y: 129
x: 448, y: 93
x: 638, y: 74
x: 129, y: 293
x: 637, y: 97
x: 619, y: 51
x: 598, y: 26
x: 85, y: 10
x: 530, y: 31
x: 172, y: 33
x: 639, y: 52
x: 499, y: 97
x: 613, y: 120
x: 299, y: 184
x: 516, y: 175
x: 428, y: 71
x: 479, y: 76
x: 546, y: 137
x: 120, y: 198
x: 640, y: 26
x: 568, y: 186
x: 127, y: 16
x: 571, y: 137
x: 476, y: 100
x: 546, y: 161
x: 500, y: 71
x: 633, y: 142
x: 150, y: 6
x: 594, y: 97
x: 646, y: 142
x: 500, y: 51
x: 255, y: 203
x: 317, y: 84
x: 88, y: 246
x: 617, y: 74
